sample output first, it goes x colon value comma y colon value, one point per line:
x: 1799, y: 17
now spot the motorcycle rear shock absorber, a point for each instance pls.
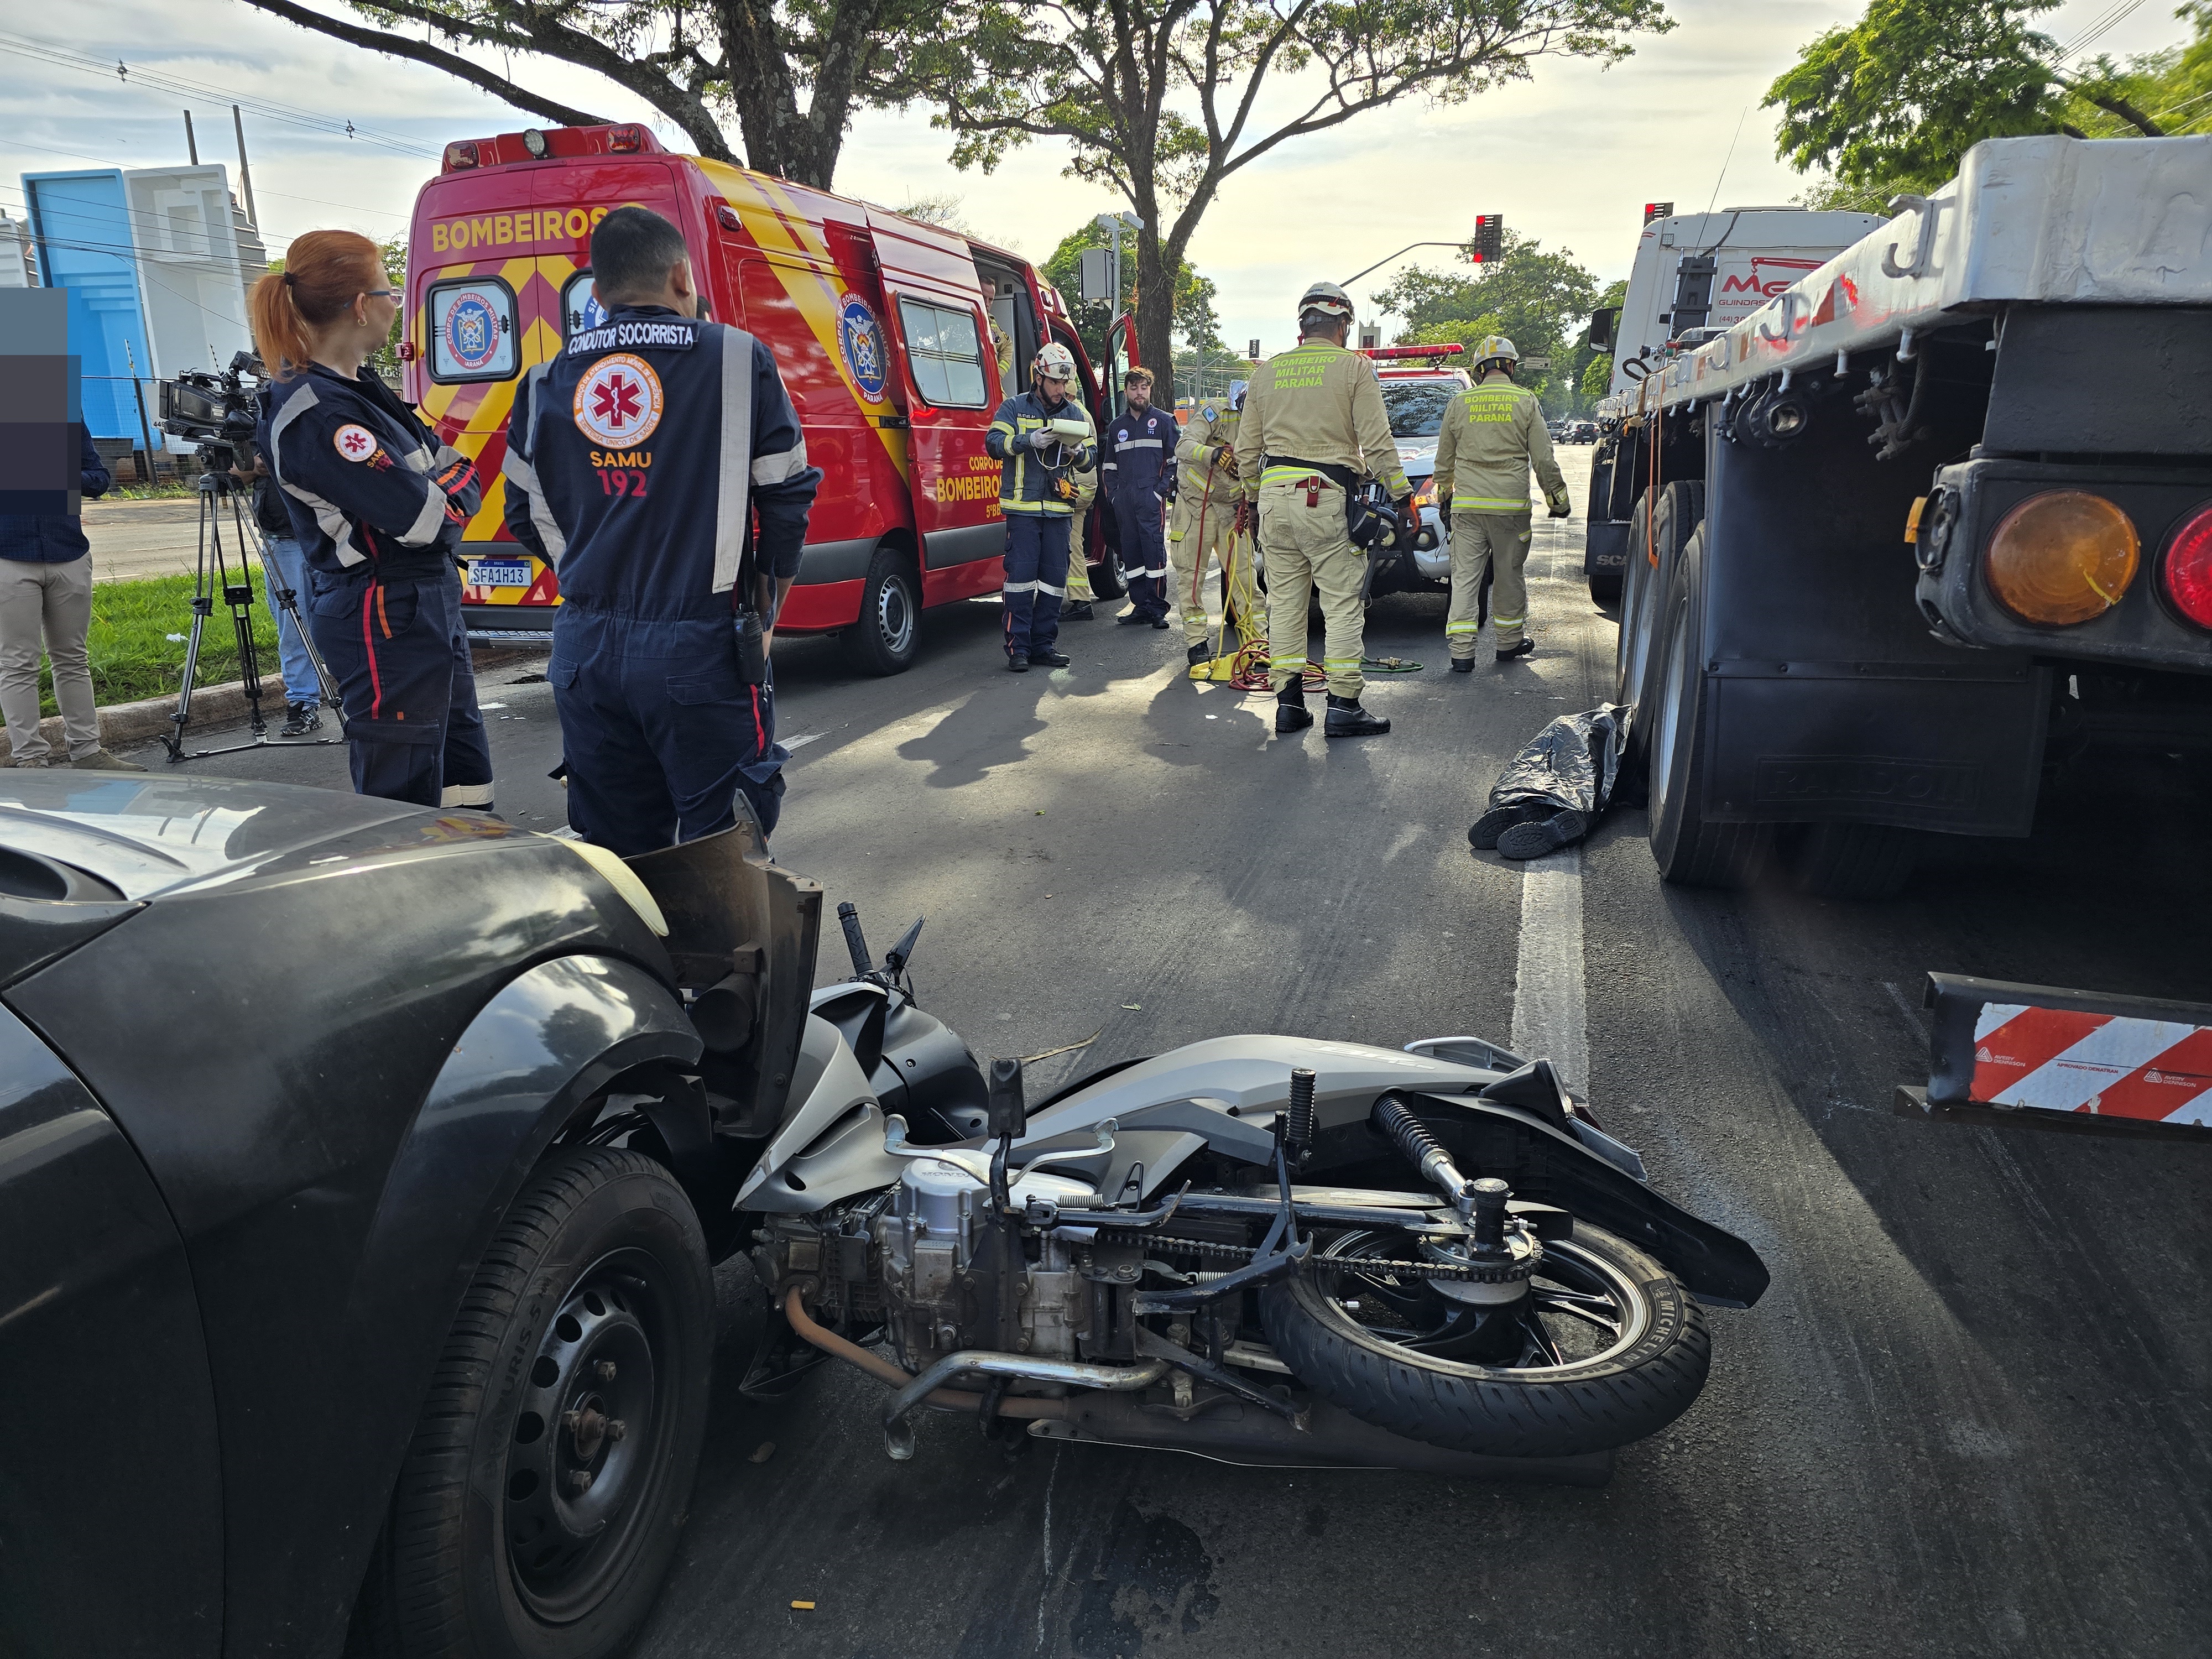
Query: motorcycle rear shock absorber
x: 1424, y: 1152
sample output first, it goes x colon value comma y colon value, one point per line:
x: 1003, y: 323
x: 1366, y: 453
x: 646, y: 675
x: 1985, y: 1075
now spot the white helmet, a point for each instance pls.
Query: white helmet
x: 1055, y: 362
x: 1328, y: 299
x: 1496, y: 348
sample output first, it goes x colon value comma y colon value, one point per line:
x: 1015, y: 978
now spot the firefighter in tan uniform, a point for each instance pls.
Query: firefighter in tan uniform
x: 1493, y: 433
x: 1203, y: 524
x: 1314, y: 423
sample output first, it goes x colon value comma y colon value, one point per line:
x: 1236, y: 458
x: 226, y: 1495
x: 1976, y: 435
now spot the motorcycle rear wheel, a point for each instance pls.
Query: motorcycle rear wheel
x: 1612, y: 1349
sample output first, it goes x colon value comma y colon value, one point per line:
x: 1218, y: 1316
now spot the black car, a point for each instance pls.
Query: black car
x: 359, y: 1175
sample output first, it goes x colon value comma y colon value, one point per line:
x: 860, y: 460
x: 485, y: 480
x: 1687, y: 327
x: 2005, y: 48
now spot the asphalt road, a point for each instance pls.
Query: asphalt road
x: 1970, y: 1418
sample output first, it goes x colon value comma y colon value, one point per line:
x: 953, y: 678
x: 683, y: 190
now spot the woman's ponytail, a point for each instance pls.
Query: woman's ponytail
x: 324, y: 271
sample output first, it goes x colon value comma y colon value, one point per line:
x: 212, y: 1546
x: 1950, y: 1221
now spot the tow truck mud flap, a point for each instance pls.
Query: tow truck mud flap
x: 2036, y: 1056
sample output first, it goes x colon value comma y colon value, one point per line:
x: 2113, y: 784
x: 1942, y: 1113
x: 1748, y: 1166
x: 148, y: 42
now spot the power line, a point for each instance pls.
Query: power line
x: 335, y: 126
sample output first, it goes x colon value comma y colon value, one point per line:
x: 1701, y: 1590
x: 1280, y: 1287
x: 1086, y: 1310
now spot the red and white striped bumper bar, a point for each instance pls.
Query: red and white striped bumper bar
x: 2040, y: 1056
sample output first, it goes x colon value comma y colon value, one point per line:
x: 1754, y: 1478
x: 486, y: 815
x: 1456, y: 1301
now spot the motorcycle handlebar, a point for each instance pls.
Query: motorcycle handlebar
x: 848, y: 917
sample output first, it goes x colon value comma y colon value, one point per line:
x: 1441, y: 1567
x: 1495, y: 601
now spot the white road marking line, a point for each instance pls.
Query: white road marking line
x: 801, y: 742
x: 1550, y: 1019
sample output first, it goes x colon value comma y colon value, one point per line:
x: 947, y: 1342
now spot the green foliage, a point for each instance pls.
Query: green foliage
x: 1164, y: 102
x: 1540, y: 301
x: 1891, y: 103
x: 1194, y: 320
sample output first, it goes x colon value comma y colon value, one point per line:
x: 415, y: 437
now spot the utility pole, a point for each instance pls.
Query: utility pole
x: 245, y: 178
x: 191, y: 144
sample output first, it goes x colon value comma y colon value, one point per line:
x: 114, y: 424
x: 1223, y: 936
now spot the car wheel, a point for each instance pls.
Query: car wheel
x: 545, y: 1486
x: 883, y: 641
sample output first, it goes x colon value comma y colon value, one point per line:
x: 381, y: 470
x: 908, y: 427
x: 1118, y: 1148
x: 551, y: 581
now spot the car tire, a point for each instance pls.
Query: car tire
x: 1690, y: 850
x: 885, y: 638
x: 593, y: 1304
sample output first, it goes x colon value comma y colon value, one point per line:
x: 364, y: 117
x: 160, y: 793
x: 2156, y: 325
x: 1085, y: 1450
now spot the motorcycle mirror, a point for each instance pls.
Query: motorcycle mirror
x: 900, y: 953
x: 1008, y: 1111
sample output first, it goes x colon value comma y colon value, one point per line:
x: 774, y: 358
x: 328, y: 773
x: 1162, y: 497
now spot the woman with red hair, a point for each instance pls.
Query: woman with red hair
x: 378, y: 505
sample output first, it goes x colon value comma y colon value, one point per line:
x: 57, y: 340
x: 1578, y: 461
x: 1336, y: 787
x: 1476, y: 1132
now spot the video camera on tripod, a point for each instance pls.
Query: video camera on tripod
x: 217, y: 412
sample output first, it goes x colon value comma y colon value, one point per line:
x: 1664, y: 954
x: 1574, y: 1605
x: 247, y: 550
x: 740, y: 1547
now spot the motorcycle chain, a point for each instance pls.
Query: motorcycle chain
x: 1241, y: 1253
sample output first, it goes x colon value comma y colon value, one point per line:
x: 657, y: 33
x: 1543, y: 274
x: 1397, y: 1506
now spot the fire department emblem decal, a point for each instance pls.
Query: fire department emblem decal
x: 471, y: 332
x: 356, y: 443
x: 860, y: 339
x: 617, y: 402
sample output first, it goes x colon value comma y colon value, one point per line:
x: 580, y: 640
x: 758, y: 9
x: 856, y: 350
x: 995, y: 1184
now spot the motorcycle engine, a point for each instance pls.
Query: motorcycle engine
x: 924, y: 1260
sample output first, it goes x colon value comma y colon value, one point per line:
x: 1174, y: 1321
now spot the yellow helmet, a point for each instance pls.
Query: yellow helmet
x: 1496, y: 348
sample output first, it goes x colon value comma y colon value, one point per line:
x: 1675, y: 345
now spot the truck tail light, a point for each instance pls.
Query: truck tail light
x: 2186, y: 571
x: 460, y: 155
x: 2062, y: 557
x: 621, y: 141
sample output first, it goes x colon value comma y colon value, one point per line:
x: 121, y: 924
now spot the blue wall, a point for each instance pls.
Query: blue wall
x: 82, y: 224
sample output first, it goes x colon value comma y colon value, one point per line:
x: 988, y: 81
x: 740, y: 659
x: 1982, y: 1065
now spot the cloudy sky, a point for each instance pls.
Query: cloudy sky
x: 1569, y: 157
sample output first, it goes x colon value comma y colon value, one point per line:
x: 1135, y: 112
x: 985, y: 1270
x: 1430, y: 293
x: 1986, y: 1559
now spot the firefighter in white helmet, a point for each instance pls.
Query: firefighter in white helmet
x: 1314, y: 425
x: 1493, y: 433
x: 1042, y: 438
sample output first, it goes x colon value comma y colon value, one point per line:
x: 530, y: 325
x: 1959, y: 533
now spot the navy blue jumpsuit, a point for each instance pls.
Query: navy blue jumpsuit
x: 378, y: 506
x: 636, y: 463
x: 1038, y: 503
x: 1136, y: 466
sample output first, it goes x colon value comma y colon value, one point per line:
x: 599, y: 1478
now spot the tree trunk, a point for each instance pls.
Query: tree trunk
x: 1156, y: 314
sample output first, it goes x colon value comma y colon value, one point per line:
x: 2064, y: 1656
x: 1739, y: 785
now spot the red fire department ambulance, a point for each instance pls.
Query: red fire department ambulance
x: 897, y: 341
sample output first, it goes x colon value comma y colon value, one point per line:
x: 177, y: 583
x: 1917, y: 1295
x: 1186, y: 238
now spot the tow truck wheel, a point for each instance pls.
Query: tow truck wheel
x: 542, y: 1492
x: 1690, y: 851
x: 883, y: 641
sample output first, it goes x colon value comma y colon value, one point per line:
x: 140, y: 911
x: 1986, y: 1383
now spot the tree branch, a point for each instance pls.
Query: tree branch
x: 423, y: 52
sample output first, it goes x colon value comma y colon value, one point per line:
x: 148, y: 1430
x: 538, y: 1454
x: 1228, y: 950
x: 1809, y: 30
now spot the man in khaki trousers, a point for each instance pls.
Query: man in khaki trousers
x: 1493, y: 433
x: 1313, y: 425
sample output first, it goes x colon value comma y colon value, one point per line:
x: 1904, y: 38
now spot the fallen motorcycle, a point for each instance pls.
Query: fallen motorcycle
x: 1269, y: 1248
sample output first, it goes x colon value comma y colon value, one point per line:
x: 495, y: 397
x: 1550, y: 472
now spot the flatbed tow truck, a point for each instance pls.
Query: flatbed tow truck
x: 1937, y: 515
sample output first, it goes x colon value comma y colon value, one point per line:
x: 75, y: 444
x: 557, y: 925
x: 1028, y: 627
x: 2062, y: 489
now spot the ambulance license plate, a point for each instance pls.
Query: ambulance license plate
x: 499, y: 572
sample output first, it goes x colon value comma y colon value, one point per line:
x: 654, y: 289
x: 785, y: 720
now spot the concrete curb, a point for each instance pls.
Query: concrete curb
x: 124, y: 724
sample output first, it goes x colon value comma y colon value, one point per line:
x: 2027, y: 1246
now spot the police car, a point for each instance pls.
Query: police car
x: 1416, y: 390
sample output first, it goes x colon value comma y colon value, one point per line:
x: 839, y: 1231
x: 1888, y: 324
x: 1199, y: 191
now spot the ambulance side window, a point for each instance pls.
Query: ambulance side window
x: 472, y: 325
x: 945, y: 354
x: 579, y: 309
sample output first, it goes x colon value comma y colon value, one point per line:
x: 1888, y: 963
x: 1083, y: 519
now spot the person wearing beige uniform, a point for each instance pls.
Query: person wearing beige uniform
x: 1493, y: 433
x: 1314, y: 424
x: 1203, y: 525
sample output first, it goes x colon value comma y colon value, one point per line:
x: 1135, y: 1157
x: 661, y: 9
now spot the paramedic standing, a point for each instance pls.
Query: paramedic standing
x: 1136, y: 465
x: 378, y: 506
x: 637, y: 463
x: 1313, y: 423
x: 1038, y: 496
x: 1493, y: 433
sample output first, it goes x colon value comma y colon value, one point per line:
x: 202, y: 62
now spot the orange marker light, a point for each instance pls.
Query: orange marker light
x: 2062, y: 557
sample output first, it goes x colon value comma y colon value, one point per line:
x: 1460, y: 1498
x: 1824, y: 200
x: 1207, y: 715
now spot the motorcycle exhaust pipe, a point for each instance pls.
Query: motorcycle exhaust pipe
x: 898, y: 1433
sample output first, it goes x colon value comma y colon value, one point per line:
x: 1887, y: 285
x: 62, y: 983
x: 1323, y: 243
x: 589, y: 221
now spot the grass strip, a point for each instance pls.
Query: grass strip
x: 139, y: 630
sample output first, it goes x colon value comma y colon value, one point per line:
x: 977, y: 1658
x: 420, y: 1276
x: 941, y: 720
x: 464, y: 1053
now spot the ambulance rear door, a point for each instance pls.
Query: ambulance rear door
x: 949, y: 370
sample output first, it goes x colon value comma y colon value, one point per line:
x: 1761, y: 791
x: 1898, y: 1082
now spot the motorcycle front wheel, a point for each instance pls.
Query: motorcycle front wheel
x: 1605, y: 1350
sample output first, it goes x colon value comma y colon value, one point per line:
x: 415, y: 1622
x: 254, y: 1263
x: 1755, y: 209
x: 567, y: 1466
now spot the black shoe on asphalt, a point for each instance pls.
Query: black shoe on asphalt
x: 1545, y: 835
x: 1290, y: 714
x: 300, y: 719
x: 1017, y: 664
x: 1159, y: 622
x: 1079, y: 611
x: 1049, y: 658
x: 1484, y: 833
x: 1521, y: 648
x: 1463, y: 665
x: 1132, y: 619
x: 1199, y: 653
x: 1346, y: 719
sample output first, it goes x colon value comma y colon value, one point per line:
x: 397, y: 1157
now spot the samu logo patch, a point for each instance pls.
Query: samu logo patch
x: 618, y: 402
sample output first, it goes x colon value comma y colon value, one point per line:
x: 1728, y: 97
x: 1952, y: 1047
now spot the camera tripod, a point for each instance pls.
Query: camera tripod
x: 213, y: 571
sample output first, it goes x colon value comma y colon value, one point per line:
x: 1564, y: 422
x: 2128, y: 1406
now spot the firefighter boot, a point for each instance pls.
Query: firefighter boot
x: 1346, y: 719
x: 1290, y: 709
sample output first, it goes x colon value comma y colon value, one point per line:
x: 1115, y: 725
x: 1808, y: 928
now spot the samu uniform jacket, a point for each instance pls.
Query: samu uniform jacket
x: 1025, y: 484
x: 637, y: 464
x: 1138, y: 453
x: 377, y: 507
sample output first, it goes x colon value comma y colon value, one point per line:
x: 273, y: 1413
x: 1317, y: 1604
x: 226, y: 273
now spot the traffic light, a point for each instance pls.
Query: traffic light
x: 1489, y: 244
x: 1658, y: 210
